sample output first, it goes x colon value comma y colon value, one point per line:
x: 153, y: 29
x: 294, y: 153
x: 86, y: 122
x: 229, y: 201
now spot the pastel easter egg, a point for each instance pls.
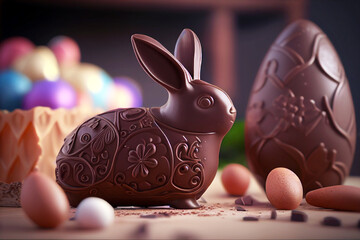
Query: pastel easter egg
x: 86, y: 77
x: 66, y: 50
x: 39, y: 64
x: 13, y: 87
x: 300, y: 113
x: 84, y: 100
x: 124, y: 93
x: 13, y: 48
x: 53, y: 94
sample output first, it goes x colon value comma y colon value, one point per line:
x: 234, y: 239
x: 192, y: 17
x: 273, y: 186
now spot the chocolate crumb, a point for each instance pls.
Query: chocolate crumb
x: 245, y: 201
x: 332, y: 221
x: 238, y: 208
x: 141, y: 232
x: 298, y: 216
x: 250, y: 218
x: 185, y: 236
x: 273, y: 214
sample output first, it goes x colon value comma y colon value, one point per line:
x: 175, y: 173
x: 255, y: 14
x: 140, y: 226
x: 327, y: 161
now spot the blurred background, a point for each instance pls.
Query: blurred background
x: 232, y: 53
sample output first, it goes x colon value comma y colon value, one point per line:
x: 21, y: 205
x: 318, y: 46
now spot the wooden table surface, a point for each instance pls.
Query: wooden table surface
x: 216, y: 219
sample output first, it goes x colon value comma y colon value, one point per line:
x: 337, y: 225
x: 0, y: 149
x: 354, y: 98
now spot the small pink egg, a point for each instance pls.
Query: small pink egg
x: 13, y: 48
x: 44, y: 201
x: 284, y: 189
x: 235, y: 179
x: 66, y: 50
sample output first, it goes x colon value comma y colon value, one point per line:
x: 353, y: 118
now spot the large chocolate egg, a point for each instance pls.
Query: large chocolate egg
x: 300, y: 113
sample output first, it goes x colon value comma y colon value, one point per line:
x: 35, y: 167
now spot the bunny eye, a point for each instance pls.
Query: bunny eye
x: 205, y: 101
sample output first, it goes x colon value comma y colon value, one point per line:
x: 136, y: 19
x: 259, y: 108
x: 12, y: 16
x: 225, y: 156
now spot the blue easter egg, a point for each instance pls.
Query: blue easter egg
x: 13, y: 87
x: 53, y: 94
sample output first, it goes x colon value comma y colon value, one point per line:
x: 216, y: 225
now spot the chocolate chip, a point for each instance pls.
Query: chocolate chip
x: 245, y: 201
x: 250, y: 218
x: 238, y: 208
x: 273, y: 214
x: 332, y: 221
x: 298, y: 216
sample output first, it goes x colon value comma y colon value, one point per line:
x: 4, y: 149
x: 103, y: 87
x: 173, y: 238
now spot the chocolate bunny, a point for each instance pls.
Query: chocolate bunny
x: 152, y: 156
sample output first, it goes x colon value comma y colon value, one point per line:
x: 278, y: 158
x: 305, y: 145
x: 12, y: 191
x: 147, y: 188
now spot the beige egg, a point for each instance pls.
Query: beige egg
x: 284, y: 189
x: 235, y: 179
x: 84, y: 77
x: 38, y: 65
x: 44, y: 201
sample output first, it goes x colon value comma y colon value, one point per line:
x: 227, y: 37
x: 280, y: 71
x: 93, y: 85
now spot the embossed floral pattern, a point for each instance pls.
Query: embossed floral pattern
x: 146, y: 121
x: 298, y: 112
x: 291, y: 109
x: 141, y: 159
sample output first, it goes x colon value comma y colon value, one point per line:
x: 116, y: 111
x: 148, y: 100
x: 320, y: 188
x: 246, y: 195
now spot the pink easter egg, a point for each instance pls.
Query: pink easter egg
x: 13, y: 48
x: 66, y: 50
x: 84, y: 100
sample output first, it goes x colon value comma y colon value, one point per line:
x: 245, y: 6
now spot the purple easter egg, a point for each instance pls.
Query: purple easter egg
x: 53, y: 94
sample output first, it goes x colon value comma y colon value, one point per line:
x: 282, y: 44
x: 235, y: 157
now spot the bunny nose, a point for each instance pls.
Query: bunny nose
x: 232, y: 110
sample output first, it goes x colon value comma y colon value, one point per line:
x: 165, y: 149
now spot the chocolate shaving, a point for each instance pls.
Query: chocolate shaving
x: 332, y: 221
x: 202, y: 200
x: 298, y: 216
x: 245, y: 201
x: 238, y: 208
x: 155, y: 215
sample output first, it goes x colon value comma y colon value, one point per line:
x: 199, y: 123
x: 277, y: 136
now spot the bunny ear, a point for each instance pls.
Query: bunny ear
x: 188, y: 52
x: 159, y: 63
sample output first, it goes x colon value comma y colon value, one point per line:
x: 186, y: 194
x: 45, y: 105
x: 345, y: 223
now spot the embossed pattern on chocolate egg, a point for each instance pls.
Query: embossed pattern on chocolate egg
x: 300, y: 113
x: 152, y: 156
